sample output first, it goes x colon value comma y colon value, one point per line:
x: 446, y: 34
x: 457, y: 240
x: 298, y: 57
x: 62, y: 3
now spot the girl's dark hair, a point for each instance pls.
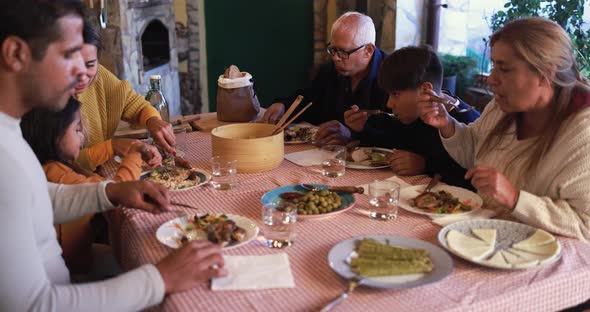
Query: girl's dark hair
x: 91, y: 35
x: 43, y: 129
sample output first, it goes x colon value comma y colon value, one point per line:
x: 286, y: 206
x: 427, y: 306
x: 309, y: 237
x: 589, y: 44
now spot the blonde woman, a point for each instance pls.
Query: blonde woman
x: 529, y: 153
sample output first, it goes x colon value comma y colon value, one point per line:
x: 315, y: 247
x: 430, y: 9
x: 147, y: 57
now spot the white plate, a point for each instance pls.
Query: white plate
x: 168, y: 234
x: 507, y: 232
x: 465, y: 196
x: 301, y: 126
x: 442, y: 262
x: 204, y: 178
x: 366, y: 164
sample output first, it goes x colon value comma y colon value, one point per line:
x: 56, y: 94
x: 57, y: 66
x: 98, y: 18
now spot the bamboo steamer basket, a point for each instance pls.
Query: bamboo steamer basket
x: 250, y: 144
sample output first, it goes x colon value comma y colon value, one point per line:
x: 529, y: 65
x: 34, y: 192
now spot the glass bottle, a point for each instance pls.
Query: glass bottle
x: 156, y: 97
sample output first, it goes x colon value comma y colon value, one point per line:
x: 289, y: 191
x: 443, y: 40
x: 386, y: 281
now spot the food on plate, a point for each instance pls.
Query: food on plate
x: 469, y: 247
x: 219, y: 229
x: 175, y: 177
x: 516, y: 261
x: 323, y: 201
x: 368, y: 156
x: 498, y: 260
x: 182, y: 163
x: 487, y: 235
x: 377, y: 259
x: 538, y: 238
x: 300, y: 134
x: 439, y: 202
x: 551, y: 248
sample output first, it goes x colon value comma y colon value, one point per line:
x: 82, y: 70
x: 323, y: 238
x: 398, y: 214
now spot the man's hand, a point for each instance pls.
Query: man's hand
x: 490, y: 182
x: 144, y: 195
x: 121, y: 146
x: 273, y: 113
x: 407, y: 163
x: 332, y: 132
x: 354, y: 119
x: 162, y: 132
x: 191, y: 265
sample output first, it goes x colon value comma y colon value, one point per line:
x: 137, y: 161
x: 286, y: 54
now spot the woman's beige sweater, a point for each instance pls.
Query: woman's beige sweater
x: 557, y: 196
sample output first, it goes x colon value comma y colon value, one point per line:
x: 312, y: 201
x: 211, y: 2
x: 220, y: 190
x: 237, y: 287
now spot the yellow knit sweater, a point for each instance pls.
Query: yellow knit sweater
x: 107, y: 101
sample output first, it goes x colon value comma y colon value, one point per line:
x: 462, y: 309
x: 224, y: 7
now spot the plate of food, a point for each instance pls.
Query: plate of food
x: 178, y: 176
x: 300, y: 133
x: 442, y: 200
x: 228, y: 230
x: 500, y: 244
x: 310, y: 204
x: 386, y: 261
x: 368, y: 158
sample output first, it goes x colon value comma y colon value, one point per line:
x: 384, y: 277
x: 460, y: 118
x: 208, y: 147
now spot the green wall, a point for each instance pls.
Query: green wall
x: 271, y: 39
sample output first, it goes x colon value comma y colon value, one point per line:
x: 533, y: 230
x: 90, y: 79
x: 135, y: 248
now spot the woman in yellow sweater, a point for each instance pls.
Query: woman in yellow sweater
x: 105, y: 100
x: 56, y: 138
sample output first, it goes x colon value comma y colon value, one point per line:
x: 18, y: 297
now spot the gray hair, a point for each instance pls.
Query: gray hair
x: 359, y: 25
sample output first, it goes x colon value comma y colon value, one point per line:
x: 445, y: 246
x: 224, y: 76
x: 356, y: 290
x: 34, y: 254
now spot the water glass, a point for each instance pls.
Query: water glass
x: 224, y: 173
x: 383, y: 200
x: 180, y: 138
x: 278, y: 224
x: 334, y: 162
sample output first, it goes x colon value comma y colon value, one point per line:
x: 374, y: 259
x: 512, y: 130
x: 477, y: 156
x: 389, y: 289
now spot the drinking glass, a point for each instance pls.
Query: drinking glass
x: 383, y: 200
x: 334, y: 162
x: 278, y: 224
x: 180, y: 137
x: 224, y: 173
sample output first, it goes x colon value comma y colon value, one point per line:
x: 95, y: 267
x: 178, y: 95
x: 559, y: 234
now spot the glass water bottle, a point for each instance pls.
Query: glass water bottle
x: 156, y: 97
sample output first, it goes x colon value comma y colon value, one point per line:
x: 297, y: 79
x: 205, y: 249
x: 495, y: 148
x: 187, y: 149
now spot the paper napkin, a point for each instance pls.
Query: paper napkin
x: 255, y: 272
x: 395, y: 179
x: 313, y: 157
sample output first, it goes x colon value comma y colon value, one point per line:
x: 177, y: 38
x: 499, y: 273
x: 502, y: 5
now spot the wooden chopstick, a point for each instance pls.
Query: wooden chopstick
x: 176, y: 203
x: 289, y: 112
x: 292, y: 119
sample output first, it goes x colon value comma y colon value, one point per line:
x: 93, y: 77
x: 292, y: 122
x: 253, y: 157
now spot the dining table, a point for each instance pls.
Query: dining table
x: 469, y: 287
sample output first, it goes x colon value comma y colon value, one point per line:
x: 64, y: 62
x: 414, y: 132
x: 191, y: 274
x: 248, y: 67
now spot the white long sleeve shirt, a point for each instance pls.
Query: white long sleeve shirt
x: 33, y: 275
x: 556, y: 197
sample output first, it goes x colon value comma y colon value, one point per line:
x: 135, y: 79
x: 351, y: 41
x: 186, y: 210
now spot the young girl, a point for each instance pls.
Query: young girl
x: 57, y: 138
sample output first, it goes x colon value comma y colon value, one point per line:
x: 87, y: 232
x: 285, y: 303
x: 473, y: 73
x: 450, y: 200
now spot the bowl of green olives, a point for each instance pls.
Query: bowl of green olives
x: 310, y: 204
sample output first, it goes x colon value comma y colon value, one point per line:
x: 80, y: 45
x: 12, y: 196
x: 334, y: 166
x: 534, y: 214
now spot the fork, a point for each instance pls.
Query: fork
x: 352, y: 283
x: 452, y: 105
x: 372, y: 112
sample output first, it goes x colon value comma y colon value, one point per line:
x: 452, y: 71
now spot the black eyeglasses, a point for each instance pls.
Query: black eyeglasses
x: 342, y: 54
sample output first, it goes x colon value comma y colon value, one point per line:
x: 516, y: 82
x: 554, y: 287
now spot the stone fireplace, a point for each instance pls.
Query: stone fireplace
x: 139, y: 41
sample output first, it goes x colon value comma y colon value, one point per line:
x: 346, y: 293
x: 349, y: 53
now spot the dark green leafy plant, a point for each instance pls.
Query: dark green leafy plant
x: 464, y: 67
x: 567, y: 13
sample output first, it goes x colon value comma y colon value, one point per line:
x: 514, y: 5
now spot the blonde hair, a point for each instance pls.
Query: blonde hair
x: 359, y: 25
x: 548, y: 50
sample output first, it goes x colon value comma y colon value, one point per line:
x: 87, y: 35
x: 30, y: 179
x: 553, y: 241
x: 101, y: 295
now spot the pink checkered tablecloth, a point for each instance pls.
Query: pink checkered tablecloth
x: 469, y: 287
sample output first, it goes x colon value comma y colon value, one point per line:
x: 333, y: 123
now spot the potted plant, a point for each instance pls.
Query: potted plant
x: 462, y: 68
x: 567, y: 13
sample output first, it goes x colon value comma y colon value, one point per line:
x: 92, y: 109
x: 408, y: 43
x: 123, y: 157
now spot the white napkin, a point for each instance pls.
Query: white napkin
x: 255, y: 272
x: 395, y: 179
x: 313, y: 157
x: 476, y: 214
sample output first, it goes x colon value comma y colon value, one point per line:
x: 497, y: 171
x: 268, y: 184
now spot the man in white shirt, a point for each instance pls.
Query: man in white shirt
x: 40, y: 63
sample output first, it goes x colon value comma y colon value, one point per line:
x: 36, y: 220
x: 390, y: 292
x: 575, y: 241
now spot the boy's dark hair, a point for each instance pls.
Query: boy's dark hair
x: 43, y: 129
x: 408, y: 68
x: 35, y: 21
x: 91, y: 35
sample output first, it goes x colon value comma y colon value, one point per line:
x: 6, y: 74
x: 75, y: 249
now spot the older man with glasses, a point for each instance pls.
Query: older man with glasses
x: 349, y: 79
